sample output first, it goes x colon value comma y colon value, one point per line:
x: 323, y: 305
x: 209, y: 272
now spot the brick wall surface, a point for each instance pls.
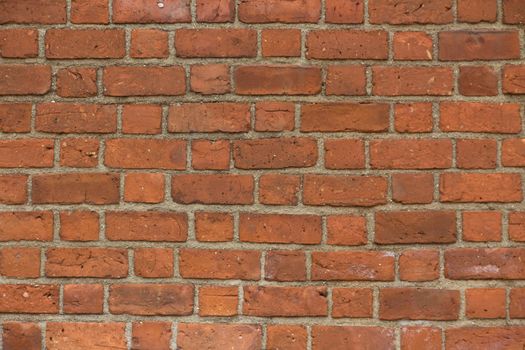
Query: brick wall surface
x: 262, y: 174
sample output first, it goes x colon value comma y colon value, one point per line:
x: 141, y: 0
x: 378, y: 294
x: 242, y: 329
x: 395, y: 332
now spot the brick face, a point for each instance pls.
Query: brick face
x: 249, y: 174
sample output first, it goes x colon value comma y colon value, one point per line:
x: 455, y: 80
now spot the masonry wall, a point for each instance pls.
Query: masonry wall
x: 262, y: 174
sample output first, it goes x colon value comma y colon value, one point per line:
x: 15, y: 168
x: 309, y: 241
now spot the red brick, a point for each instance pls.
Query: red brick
x: 210, y: 154
x: 421, y: 338
x: 484, y: 263
x: 418, y: 304
x: 90, y: 11
x: 18, y: 43
x: 153, y: 262
x: 338, y: 190
x: 215, y: 11
x: 410, y: 11
x: 271, y: 301
x: 412, y: 46
x: 151, y: 335
x: 419, y: 265
x: 149, y: 43
x: 29, y: 299
x: 402, y: 227
x: 476, y: 154
x: 212, y: 188
x: 79, y: 226
x: 346, y: 80
x: 277, y: 80
x: 280, y: 228
x: 76, y: 118
x: 517, y: 226
x: 344, y: 154
x: 87, y: 262
x: 15, y: 117
x: 510, y: 337
x: 209, y: 117
x: 85, y: 43
x: 79, y: 152
x: 285, y: 336
x: 77, y: 82
x: 76, y: 188
x: 154, y: 226
x: 478, y: 81
x: 213, y: 227
x: 517, y: 303
x: 279, y: 189
x: 477, y: 11
x: 413, y: 188
x: 347, y: 44
x: 220, y: 264
x: 13, y: 189
x: 291, y: 11
x: 144, y: 81
x: 218, y: 301
x: 33, y: 11
x: 151, y: 299
x: 214, y: 42
x: 219, y: 335
x: 513, y: 12
x: 275, y: 153
x: 346, y: 230
x: 513, y: 152
x: 480, y: 188
x: 85, y: 335
x: 411, y: 154
x: 413, y: 117
x: 480, y: 117
x: 352, y: 337
x: 20, y: 262
x: 281, y: 42
x: 149, y: 11
x: 274, y: 116
x: 285, y: 265
x: 352, y: 302
x: 18, y: 79
x: 513, y: 77
x: 210, y: 79
x: 144, y: 188
x: 479, y: 45
x: 83, y: 298
x: 18, y: 335
x: 141, y: 119
x: 412, y: 81
x: 26, y: 226
x: 145, y: 153
x: 481, y: 226
x: 344, y: 11
x: 485, y: 303
x: 329, y: 117
x: 353, y: 266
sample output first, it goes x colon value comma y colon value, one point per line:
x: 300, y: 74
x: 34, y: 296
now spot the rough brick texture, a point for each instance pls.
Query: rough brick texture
x: 262, y: 174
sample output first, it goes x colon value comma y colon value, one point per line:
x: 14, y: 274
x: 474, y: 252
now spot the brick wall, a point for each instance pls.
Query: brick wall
x: 262, y: 174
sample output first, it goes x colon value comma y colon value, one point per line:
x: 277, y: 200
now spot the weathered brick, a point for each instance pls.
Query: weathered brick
x: 337, y: 190
x: 86, y: 262
x: 76, y: 188
x: 85, y: 43
x: 220, y: 264
x: 352, y: 266
x: 280, y: 228
x: 285, y: 301
x: 155, y: 226
x: 151, y: 299
x: 145, y: 153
